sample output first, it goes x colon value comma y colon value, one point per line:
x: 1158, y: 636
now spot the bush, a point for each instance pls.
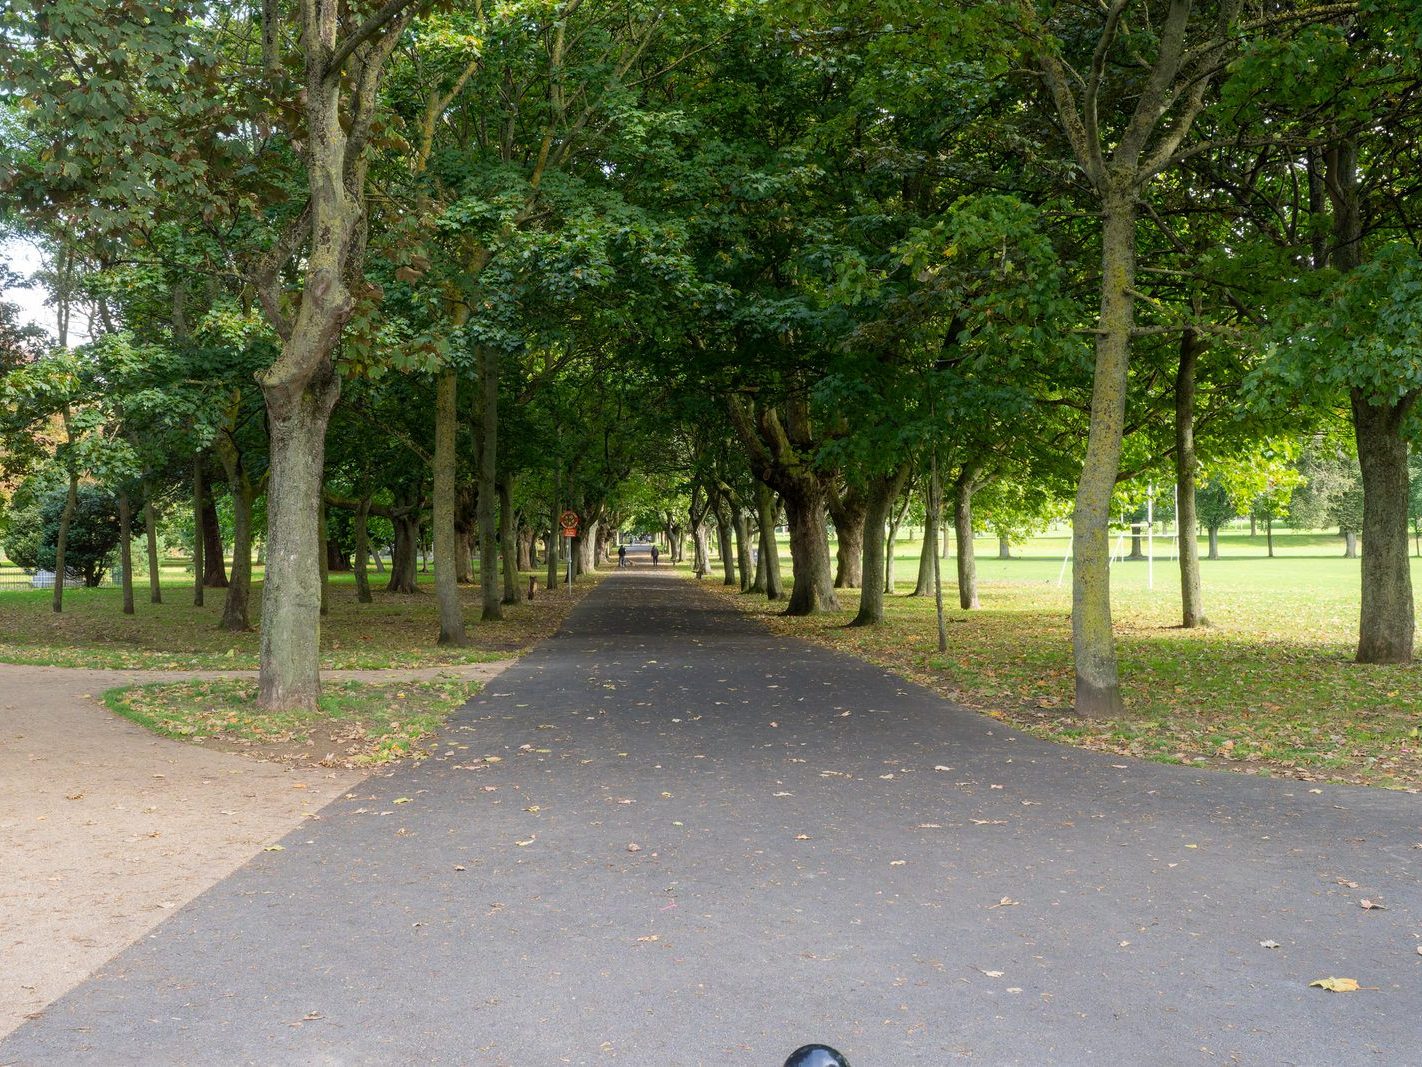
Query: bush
x: 32, y: 536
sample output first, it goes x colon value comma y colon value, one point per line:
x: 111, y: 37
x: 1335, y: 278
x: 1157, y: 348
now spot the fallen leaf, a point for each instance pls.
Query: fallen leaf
x: 1370, y: 905
x: 1336, y: 985
x: 459, y: 867
x: 523, y: 844
x: 802, y: 837
x: 897, y: 863
x: 992, y: 974
x: 1268, y: 944
x: 650, y: 937
x: 275, y: 848
x: 401, y: 800
x: 1005, y: 902
x: 634, y: 847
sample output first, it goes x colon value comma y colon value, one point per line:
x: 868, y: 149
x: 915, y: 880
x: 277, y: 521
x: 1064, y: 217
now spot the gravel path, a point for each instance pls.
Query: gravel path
x: 666, y: 837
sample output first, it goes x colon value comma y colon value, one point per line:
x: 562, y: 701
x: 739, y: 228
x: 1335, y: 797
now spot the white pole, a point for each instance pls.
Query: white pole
x: 1150, y: 536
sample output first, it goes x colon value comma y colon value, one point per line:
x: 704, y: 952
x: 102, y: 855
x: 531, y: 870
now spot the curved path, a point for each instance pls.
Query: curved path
x: 699, y: 844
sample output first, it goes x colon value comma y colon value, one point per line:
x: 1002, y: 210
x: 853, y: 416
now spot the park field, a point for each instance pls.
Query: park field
x: 1268, y: 687
x: 397, y: 630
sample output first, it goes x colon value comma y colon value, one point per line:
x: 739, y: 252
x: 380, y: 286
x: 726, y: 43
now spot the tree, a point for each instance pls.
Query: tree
x: 32, y: 535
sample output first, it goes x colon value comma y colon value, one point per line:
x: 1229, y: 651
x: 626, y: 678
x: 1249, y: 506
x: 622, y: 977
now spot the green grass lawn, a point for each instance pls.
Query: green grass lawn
x: 397, y: 630
x: 1270, y: 686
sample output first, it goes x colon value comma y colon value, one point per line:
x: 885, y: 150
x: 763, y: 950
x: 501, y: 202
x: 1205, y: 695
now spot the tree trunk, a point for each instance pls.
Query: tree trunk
x: 1098, y: 690
x: 1214, y: 534
x: 929, y: 552
x: 488, y: 493
x: 963, y: 532
x: 375, y: 556
x: 199, y: 535
x: 878, y: 502
x: 402, y: 553
x: 525, y: 561
x: 362, y: 551
x: 236, y: 605
x: 1192, y: 602
x: 1388, y: 620
x: 587, y: 549
x: 1253, y: 524
x: 291, y: 592
x: 740, y: 525
x: 214, y: 571
x: 812, y: 588
x: 1136, y: 552
x: 896, y: 518
x: 724, y: 539
x: 1350, y: 544
x: 126, y: 551
x: 848, y: 512
x: 325, y: 555
x: 701, y: 558
x: 150, y: 526
x: 555, y: 546
x: 1269, y: 534
x: 445, y: 504
x: 508, y: 541
x: 463, y: 555
x: 61, y: 544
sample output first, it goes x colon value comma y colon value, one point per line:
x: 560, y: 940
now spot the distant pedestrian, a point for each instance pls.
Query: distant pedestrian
x: 656, y: 554
x: 621, y: 556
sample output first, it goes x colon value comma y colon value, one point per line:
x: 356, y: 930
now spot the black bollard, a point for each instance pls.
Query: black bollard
x: 816, y: 1056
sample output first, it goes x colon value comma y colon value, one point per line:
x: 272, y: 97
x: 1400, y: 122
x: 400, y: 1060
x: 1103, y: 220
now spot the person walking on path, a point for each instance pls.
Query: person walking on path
x: 655, y: 553
x: 621, y: 556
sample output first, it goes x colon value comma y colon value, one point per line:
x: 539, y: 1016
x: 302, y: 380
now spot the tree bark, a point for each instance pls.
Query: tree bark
x: 812, y: 588
x: 555, y: 548
x: 325, y: 555
x: 725, y: 540
x: 745, y: 565
x: 769, y: 544
x: 199, y: 534
x: 526, y: 560
x: 126, y: 550
x: 150, y: 525
x: 508, y: 538
x: 1214, y: 535
x: 236, y: 604
x: 61, y: 545
x: 924, y: 585
x: 444, y: 504
x: 214, y: 571
x: 362, y: 551
x: 1192, y: 602
x: 963, y: 532
x: 1350, y: 544
x: 1269, y: 534
x: 488, y: 492
x: 402, y: 553
x: 878, y: 502
x: 1098, y: 690
x: 291, y: 592
x: 1388, y: 619
x: 848, y: 510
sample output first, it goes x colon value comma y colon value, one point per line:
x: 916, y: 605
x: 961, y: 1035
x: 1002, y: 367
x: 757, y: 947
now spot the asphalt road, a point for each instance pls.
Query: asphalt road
x: 701, y: 844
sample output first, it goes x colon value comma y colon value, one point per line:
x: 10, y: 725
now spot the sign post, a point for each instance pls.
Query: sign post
x: 569, y: 522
